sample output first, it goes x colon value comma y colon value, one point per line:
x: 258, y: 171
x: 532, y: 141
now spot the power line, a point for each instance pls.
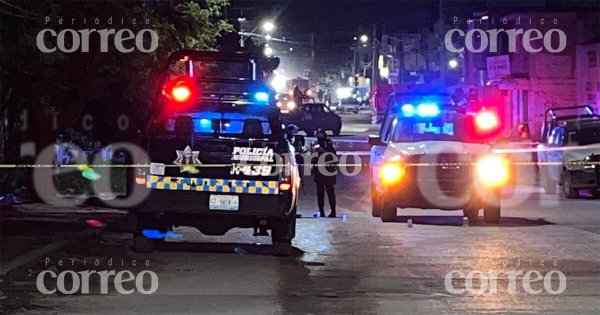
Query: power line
x: 17, y: 15
x: 18, y: 8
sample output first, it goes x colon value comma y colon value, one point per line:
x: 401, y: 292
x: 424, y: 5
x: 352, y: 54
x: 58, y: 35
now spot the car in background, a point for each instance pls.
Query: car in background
x: 348, y: 105
x: 569, y: 151
x: 311, y: 117
x: 286, y: 103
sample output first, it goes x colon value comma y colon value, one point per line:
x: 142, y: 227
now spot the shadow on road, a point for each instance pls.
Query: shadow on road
x: 221, y: 248
x: 458, y: 221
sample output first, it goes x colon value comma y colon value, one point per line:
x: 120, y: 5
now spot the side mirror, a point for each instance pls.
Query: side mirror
x: 375, y: 141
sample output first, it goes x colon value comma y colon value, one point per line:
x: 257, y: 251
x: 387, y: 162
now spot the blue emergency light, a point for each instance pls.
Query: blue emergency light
x: 262, y: 97
x: 421, y: 110
x: 428, y: 110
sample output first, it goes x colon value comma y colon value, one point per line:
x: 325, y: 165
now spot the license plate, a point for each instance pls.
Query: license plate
x: 224, y: 202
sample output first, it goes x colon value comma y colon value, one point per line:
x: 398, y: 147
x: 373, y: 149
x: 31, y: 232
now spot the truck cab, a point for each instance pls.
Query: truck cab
x: 217, y: 152
x: 432, y: 155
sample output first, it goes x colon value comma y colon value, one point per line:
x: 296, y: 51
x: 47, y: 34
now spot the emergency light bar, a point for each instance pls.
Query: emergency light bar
x: 261, y: 97
x: 421, y: 110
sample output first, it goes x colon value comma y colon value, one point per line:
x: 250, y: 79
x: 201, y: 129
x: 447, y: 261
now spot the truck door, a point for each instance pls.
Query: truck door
x: 555, y: 154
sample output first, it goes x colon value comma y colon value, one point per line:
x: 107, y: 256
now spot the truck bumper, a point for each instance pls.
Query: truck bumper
x: 447, y: 196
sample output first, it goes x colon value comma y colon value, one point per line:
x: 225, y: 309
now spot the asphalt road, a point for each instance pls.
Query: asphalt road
x: 351, y: 264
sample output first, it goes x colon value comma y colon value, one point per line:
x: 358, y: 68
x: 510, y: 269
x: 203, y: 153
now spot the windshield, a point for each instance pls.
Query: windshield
x: 583, y: 136
x: 232, y: 124
x: 213, y: 69
x: 408, y: 130
x: 248, y: 121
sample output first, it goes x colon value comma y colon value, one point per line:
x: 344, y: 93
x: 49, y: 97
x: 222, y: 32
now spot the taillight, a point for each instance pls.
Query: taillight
x: 288, y: 173
x: 285, y: 186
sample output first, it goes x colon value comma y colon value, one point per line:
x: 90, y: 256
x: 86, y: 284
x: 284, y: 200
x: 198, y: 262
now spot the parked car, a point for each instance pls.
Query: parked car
x: 568, y: 152
x: 313, y: 116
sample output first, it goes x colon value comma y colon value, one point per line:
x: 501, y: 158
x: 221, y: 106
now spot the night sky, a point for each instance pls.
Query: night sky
x: 335, y: 23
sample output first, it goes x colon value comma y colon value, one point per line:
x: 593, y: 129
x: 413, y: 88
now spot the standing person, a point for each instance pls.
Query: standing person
x: 320, y: 95
x: 298, y: 96
x: 324, y: 172
x: 298, y: 142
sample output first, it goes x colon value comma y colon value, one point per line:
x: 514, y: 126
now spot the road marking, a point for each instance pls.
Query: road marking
x: 32, y: 255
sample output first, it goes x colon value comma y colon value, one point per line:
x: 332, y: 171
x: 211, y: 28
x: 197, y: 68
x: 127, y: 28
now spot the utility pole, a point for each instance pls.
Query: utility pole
x: 355, y: 50
x: 442, y: 48
x: 312, y: 47
x: 374, y: 60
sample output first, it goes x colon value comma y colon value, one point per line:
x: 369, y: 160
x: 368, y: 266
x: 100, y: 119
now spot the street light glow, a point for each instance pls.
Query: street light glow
x: 453, y: 63
x: 268, y: 37
x: 364, y: 38
x: 268, y: 51
x: 268, y: 26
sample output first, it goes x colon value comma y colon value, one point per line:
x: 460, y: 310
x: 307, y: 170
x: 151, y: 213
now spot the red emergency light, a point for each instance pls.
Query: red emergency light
x: 486, y: 121
x: 485, y: 124
x: 179, y: 91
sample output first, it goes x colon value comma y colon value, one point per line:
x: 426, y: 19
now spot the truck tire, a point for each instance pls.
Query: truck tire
x: 282, y: 234
x: 375, y: 203
x: 491, y: 214
x: 548, y: 183
x: 388, y: 211
x: 471, y: 214
x: 142, y: 244
x: 282, y: 248
x: 570, y: 192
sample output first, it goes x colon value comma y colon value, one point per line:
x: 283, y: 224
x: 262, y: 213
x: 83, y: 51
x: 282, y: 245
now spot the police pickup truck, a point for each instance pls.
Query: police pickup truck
x: 218, y: 156
x: 434, y: 156
x: 569, y: 151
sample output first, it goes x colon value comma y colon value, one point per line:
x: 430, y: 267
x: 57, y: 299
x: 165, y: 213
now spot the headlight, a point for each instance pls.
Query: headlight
x: 291, y: 105
x: 493, y: 170
x: 391, y: 172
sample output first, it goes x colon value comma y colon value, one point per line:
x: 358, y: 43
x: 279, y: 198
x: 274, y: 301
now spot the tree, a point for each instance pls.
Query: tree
x: 63, y: 82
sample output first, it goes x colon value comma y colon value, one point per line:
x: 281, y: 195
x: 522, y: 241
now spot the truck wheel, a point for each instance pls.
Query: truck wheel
x: 142, y: 244
x: 491, y: 214
x: 375, y: 203
x: 471, y: 214
x: 282, y: 234
x: 282, y: 248
x: 570, y: 192
x: 548, y: 183
x: 388, y: 211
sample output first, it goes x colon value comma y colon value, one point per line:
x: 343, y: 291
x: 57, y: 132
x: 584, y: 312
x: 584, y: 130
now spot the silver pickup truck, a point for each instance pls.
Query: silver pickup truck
x: 569, y: 152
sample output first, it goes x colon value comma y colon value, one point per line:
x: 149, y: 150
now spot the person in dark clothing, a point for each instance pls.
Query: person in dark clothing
x: 298, y: 142
x: 298, y: 96
x: 324, y: 172
x: 320, y: 94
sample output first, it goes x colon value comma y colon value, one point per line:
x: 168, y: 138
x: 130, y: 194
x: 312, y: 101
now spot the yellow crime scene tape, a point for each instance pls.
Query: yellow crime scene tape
x: 79, y: 166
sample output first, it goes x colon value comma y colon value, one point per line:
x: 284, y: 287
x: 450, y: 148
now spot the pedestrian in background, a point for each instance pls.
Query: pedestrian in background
x: 298, y: 96
x: 324, y: 172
